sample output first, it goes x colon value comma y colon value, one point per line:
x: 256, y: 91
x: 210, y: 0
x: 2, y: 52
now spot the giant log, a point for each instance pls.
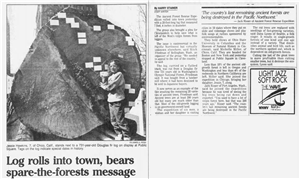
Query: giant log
x: 56, y: 89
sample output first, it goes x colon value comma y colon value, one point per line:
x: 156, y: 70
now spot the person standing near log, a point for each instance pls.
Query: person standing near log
x: 116, y: 99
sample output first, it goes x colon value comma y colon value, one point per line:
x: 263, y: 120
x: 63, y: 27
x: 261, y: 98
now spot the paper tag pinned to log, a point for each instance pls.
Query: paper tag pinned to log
x: 131, y: 91
x: 54, y: 22
x: 96, y: 59
x: 104, y: 76
x: 89, y: 65
x: 81, y: 35
x: 126, y: 110
x: 104, y: 73
x: 61, y: 15
x: 81, y: 41
x: 97, y: 68
x: 131, y: 103
x: 75, y: 25
x: 128, y: 38
x: 70, y: 20
x: 127, y: 86
x: 97, y: 28
x: 130, y: 43
x: 110, y: 26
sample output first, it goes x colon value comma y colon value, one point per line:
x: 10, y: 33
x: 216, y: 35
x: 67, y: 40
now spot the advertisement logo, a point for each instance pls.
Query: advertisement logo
x: 272, y: 91
x: 273, y: 98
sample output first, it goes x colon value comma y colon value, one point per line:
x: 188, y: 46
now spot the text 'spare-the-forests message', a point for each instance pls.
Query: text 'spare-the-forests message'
x: 70, y: 167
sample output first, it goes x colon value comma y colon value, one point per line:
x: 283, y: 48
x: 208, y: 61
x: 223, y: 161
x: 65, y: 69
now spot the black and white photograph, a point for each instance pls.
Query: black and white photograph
x: 76, y: 72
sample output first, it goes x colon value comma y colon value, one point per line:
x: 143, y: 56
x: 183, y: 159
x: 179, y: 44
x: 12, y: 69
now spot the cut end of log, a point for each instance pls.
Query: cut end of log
x: 56, y: 90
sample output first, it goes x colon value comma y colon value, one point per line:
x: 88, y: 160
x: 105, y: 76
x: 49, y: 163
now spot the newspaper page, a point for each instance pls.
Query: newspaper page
x: 151, y: 90
x: 76, y: 100
x: 224, y: 85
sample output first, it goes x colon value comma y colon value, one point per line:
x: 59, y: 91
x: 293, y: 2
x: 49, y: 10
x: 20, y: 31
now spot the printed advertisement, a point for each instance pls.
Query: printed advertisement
x: 272, y: 91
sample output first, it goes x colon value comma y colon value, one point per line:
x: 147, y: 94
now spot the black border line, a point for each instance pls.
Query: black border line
x: 249, y: 23
x: 240, y: 7
x: 147, y: 89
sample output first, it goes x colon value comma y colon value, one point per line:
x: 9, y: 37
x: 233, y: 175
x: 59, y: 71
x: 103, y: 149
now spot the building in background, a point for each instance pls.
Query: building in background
x: 8, y: 71
x: 9, y: 75
x: 46, y: 11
